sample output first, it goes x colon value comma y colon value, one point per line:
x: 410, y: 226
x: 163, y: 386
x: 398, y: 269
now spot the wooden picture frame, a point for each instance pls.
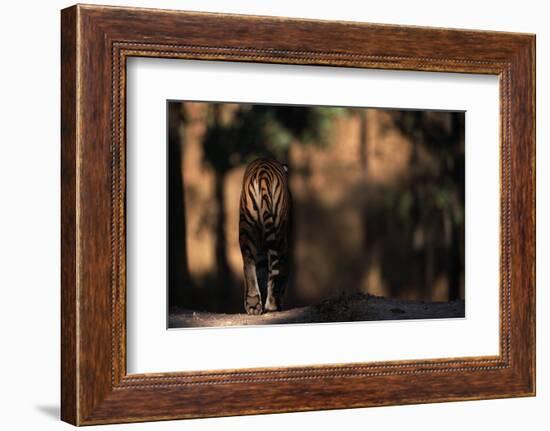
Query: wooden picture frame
x: 95, y: 43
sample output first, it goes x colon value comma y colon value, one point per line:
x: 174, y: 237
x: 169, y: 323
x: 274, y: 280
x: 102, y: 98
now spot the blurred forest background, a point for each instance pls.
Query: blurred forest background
x: 378, y: 199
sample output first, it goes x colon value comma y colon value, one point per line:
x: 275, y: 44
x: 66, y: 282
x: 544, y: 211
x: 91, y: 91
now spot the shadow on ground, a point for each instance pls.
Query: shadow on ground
x: 52, y: 411
x: 352, y: 308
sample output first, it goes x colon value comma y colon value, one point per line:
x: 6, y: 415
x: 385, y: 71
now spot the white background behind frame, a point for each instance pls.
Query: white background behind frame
x: 153, y: 348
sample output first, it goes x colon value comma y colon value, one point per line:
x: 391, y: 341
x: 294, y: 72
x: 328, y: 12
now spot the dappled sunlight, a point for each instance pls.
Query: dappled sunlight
x: 378, y: 201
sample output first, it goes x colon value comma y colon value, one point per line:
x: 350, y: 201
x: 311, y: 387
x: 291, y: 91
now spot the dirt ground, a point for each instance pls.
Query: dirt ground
x: 356, y: 307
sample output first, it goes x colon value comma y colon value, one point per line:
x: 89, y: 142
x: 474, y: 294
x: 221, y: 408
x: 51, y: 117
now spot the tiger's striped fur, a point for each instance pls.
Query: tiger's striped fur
x: 264, y: 230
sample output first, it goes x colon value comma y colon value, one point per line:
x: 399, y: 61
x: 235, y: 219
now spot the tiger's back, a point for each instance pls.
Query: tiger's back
x: 264, y: 230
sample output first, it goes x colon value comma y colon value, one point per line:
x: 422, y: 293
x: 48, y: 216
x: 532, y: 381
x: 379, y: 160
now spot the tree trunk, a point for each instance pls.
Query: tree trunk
x: 363, y: 140
x: 363, y: 156
x: 455, y: 263
x: 225, y: 280
x: 178, y: 271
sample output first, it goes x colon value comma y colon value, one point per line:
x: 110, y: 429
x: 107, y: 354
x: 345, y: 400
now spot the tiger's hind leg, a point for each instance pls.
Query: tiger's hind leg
x: 273, y: 300
x: 252, y: 297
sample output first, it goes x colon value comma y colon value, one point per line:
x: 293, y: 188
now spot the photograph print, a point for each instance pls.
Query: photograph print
x: 291, y: 214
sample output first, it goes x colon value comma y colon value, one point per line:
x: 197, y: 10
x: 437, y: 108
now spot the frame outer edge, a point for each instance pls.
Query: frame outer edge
x: 531, y: 64
x: 524, y: 212
x: 533, y: 54
x: 87, y: 397
x: 69, y: 202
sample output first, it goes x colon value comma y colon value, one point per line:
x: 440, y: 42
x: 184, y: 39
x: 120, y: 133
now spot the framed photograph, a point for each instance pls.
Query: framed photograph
x: 263, y: 215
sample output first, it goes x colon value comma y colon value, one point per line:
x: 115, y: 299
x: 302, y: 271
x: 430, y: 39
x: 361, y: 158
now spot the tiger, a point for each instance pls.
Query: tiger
x: 264, y: 232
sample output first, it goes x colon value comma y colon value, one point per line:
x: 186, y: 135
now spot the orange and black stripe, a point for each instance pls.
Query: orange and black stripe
x: 264, y: 227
